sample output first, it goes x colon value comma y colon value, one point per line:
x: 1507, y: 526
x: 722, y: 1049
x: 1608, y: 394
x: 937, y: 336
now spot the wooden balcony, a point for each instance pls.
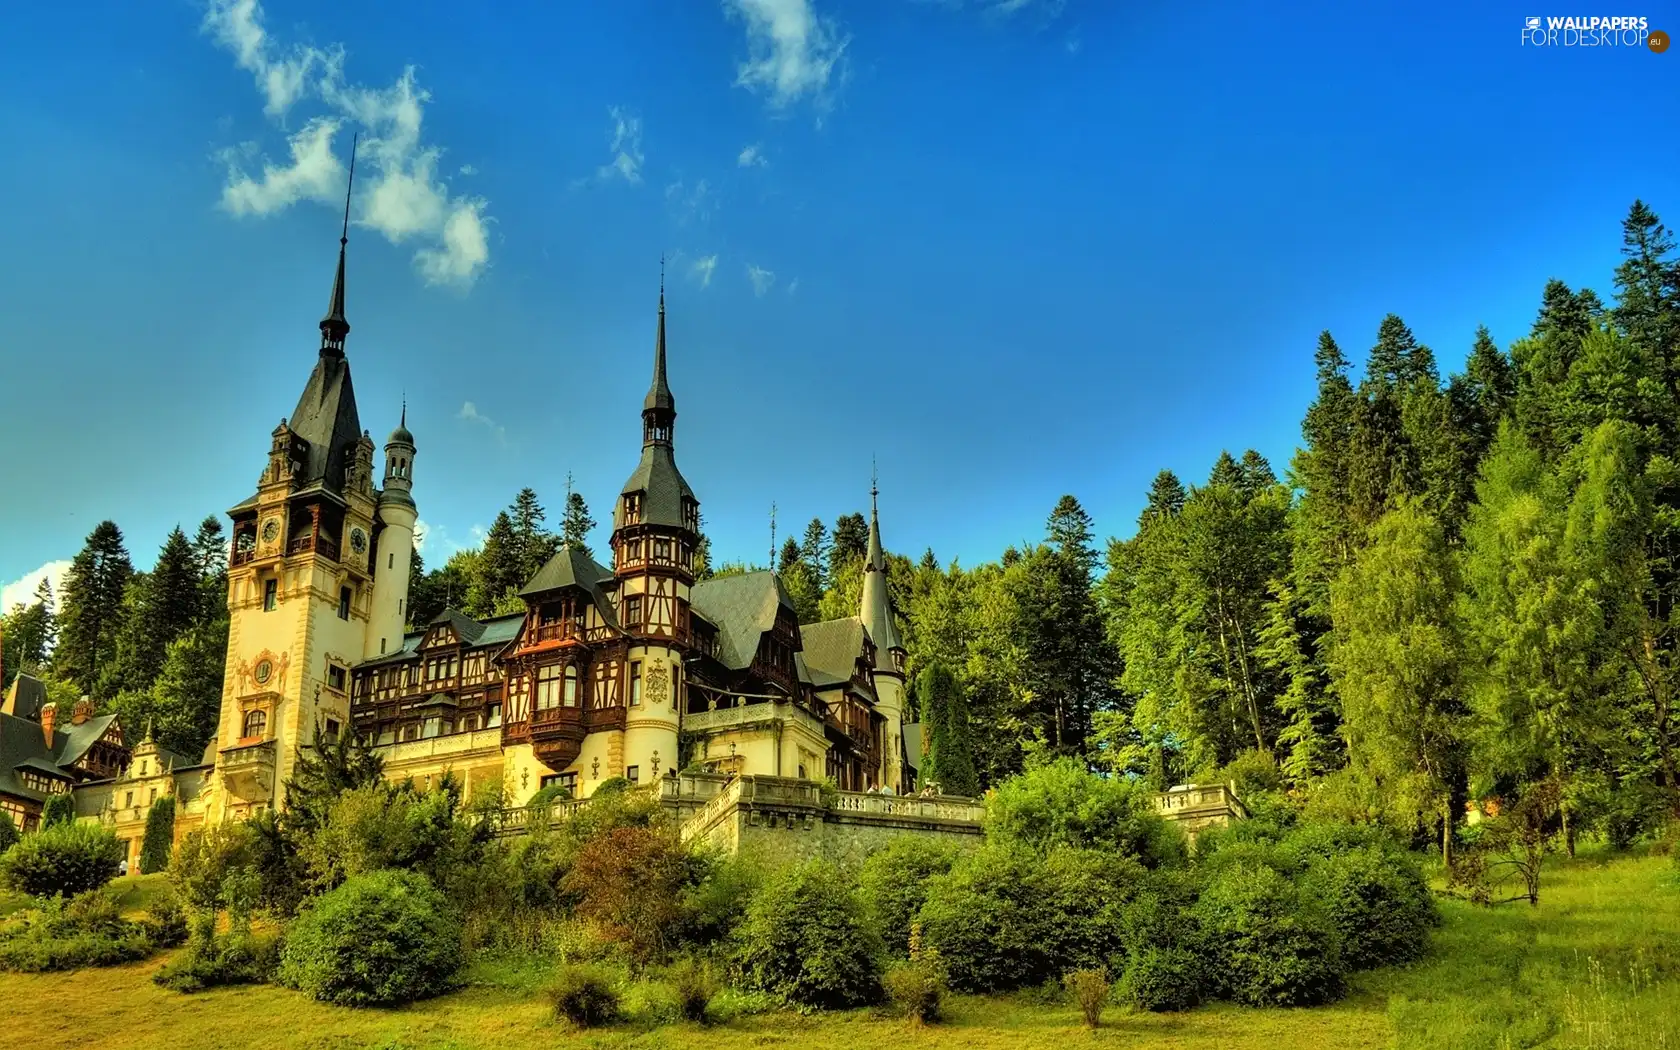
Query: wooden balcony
x: 322, y: 545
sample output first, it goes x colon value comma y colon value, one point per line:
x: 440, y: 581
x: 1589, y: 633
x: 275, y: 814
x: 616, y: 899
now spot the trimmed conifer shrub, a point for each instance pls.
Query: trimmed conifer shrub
x: 8, y: 832
x: 58, y: 810
x: 382, y: 938
x: 159, y: 841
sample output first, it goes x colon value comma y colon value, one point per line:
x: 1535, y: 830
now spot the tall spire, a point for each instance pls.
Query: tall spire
x: 875, y: 605
x: 334, y: 327
x: 659, y: 408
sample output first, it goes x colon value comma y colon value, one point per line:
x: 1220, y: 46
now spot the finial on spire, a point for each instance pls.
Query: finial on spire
x: 772, y: 537
x: 404, y: 420
x: 874, y: 484
x: 661, y: 279
x: 349, y: 184
x: 334, y: 326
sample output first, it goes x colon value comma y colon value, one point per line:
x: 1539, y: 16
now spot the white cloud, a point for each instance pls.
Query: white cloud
x: 468, y: 169
x: 625, y: 146
x: 762, y: 280
x: 793, y: 286
x: 792, y: 51
x: 702, y: 268
x: 471, y: 414
x: 400, y: 195
x: 751, y: 157
x: 691, y: 203
x: 21, y: 591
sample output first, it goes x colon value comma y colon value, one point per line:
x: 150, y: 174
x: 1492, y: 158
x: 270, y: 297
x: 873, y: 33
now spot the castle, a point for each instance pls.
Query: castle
x: 635, y: 670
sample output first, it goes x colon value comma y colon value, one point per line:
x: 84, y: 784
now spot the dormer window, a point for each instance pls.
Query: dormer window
x: 632, y: 508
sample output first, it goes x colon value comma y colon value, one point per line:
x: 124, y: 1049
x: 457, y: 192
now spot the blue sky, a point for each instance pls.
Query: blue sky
x: 1010, y: 249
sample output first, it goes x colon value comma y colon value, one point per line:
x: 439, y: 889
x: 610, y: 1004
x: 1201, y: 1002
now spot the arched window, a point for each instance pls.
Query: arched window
x: 571, y: 693
x: 256, y: 723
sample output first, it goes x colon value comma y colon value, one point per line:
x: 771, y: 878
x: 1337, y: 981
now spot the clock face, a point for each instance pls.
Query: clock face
x: 271, y: 530
x: 263, y: 672
x: 358, y: 541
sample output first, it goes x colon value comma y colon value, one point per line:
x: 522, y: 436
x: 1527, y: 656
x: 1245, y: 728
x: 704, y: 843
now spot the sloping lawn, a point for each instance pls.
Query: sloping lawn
x: 1596, y: 965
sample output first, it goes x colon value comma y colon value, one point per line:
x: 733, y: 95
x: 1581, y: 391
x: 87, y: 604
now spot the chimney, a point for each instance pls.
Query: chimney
x: 81, y: 712
x: 49, y: 721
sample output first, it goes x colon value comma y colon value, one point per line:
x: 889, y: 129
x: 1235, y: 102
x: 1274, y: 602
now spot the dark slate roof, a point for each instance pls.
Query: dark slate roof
x: 832, y: 649
x: 500, y: 630
x: 662, y: 487
x: 743, y: 608
x: 574, y: 567
x: 913, y: 745
x: 326, y: 418
x: 406, y: 651
x: 25, y: 697
x: 22, y: 742
x: 465, y: 627
x: 78, y: 739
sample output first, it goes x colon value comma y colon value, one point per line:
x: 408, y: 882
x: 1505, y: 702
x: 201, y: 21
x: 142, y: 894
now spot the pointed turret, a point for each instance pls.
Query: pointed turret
x: 659, y: 408
x: 875, y: 609
x: 656, y: 493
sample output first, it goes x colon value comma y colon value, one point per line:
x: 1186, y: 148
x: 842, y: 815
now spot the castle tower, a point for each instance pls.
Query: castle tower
x: 655, y: 528
x: 393, y: 544
x: 301, y: 581
x: 876, y: 612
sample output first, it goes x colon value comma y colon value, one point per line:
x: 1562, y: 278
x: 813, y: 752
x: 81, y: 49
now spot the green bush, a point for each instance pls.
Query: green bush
x: 806, y: 940
x: 695, y: 985
x: 239, y: 958
x: 1378, y: 903
x: 1090, y: 990
x: 1062, y: 803
x: 63, y: 860
x: 381, y: 938
x: 1161, y: 979
x: 166, y: 920
x: 587, y: 996
x: 8, y: 832
x: 1006, y: 918
x: 1268, y: 949
x: 892, y: 884
x: 87, y: 930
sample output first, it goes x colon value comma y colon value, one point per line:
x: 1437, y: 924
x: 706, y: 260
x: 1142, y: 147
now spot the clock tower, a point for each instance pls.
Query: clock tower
x: 317, y: 577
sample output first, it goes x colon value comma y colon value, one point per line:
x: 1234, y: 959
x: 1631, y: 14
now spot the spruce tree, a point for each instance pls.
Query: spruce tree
x: 1226, y: 472
x: 814, y: 549
x: 789, y: 555
x: 851, y: 543
x: 210, y: 550
x: 1166, y: 496
x: 165, y: 604
x: 325, y: 771
x: 499, y: 568
x: 1255, y: 475
x: 159, y: 840
x: 28, y: 635
x: 1070, y: 665
x: 533, y: 544
x: 576, y: 524
x: 91, y: 613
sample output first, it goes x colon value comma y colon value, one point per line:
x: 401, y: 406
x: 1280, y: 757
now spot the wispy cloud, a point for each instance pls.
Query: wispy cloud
x: 752, y: 157
x: 694, y: 203
x: 793, y: 286
x: 21, y: 591
x: 792, y: 51
x: 471, y: 414
x: 702, y: 269
x: 625, y: 145
x: 400, y: 194
x: 762, y: 280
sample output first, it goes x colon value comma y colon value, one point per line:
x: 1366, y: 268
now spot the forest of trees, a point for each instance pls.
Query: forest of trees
x: 1460, y: 588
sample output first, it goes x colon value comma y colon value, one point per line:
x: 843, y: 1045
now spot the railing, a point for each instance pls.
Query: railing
x: 938, y: 807
x: 324, y: 545
x: 714, y: 810
x: 449, y: 743
x: 519, y: 820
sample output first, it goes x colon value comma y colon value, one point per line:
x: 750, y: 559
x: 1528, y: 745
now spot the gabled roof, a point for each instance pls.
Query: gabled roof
x: 743, y: 608
x: 569, y: 567
x: 25, y: 697
x: 79, y: 738
x: 832, y: 650
x: 23, y: 745
x: 465, y: 627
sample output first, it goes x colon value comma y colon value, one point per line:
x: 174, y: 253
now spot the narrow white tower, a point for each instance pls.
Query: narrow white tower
x: 394, y: 547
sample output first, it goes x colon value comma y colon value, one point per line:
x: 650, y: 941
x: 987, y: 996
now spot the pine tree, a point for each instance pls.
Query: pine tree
x: 814, y: 549
x: 1226, y: 472
x: 851, y: 543
x: 1325, y: 533
x: 91, y: 613
x: 1166, y: 497
x: 1070, y: 664
x: 210, y: 550
x: 1256, y: 475
x: 27, y: 633
x: 500, y: 568
x: 1389, y: 366
x: 159, y: 841
x: 789, y: 555
x: 802, y: 591
x: 166, y: 603
x: 533, y: 544
x: 575, y: 526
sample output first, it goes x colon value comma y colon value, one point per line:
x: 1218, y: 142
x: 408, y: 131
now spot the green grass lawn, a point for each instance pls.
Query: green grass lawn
x: 1597, y: 965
